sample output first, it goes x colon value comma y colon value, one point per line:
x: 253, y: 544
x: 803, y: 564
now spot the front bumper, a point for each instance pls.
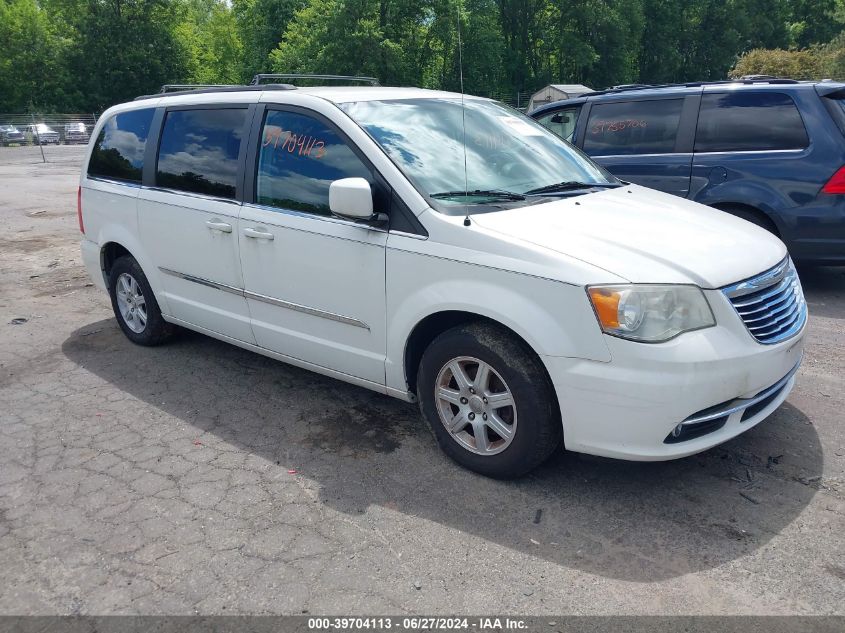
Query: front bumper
x: 628, y: 408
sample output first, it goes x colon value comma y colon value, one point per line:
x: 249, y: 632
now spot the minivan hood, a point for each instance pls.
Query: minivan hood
x: 644, y: 236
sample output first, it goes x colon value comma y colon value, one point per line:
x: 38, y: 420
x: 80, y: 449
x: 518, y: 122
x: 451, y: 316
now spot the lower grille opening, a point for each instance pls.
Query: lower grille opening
x: 756, y: 408
x: 693, y: 431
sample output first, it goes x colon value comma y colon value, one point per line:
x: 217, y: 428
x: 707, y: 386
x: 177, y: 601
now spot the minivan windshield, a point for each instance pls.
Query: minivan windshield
x: 510, y: 159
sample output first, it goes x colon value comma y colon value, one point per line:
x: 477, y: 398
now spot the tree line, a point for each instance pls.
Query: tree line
x: 85, y: 55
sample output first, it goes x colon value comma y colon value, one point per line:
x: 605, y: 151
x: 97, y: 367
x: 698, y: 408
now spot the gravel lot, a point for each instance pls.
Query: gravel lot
x: 201, y: 478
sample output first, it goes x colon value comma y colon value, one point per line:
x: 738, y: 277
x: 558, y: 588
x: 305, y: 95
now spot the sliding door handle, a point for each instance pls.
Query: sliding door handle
x: 258, y: 235
x: 219, y: 226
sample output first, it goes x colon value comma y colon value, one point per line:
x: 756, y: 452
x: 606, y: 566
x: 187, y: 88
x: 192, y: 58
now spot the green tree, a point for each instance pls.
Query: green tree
x: 661, y: 58
x: 261, y: 24
x: 122, y: 49
x: 88, y: 54
x: 210, y: 36
x: 521, y: 22
x: 812, y: 22
x: 394, y: 40
x: 801, y: 64
x: 31, y: 75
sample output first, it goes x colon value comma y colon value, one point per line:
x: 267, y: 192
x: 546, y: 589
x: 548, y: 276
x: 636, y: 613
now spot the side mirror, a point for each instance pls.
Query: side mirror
x: 351, y: 198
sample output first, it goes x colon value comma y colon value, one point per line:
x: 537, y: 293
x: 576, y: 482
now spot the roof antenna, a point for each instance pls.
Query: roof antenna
x: 463, y: 113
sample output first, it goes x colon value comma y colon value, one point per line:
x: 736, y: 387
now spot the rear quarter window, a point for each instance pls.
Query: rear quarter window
x: 633, y: 127
x: 749, y: 121
x: 562, y: 122
x: 119, y: 150
x: 835, y: 104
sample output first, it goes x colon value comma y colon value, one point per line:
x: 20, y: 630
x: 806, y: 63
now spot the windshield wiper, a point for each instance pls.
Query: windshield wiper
x: 570, y: 185
x: 498, y: 194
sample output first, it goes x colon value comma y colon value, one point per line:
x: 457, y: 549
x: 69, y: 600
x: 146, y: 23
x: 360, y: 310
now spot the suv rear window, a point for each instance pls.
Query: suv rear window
x: 199, y: 149
x: 119, y: 150
x: 749, y: 121
x: 633, y: 127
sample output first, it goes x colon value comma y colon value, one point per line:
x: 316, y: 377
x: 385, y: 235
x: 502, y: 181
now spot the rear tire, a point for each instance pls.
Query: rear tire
x: 463, y: 375
x: 135, y: 305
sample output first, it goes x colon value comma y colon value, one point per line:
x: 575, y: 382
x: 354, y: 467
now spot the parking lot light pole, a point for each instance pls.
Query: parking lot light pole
x: 38, y: 138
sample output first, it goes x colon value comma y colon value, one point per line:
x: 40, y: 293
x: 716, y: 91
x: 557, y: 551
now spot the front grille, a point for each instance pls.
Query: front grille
x: 771, y: 304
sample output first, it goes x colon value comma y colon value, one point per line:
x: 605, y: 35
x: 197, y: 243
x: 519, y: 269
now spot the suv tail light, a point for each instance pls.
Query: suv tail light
x: 79, y: 209
x: 836, y: 184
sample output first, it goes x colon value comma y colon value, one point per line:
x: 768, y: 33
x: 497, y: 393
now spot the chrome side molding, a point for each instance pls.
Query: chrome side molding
x: 324, y: 314
x: 306, y: 309
x: 202, y: 282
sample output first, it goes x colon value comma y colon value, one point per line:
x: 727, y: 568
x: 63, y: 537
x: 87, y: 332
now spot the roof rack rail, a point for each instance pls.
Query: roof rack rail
x: 198, y: 91
x: 257, y: 79
x: 630, y: 86
x: 747, y: 79
x: 182, y: 87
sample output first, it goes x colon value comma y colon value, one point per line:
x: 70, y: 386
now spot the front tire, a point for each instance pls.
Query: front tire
x: 488, y: 401
x: 135, y: 305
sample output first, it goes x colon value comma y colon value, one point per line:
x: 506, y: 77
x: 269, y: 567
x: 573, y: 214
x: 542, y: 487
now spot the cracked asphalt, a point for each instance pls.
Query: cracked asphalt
x: 198, y: 478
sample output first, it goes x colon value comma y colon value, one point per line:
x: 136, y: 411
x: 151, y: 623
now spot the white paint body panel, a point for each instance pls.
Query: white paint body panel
x: 302, y: 265
x: 526, y: 268
x: 645, y: 236
x: 175, y: 231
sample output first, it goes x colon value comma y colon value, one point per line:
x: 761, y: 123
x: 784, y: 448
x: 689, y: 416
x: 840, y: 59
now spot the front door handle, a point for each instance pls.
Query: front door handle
x: 219, y: 226
x: 259, y: 235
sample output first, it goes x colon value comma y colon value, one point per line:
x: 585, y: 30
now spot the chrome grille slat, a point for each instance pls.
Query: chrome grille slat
x: 771, y: 305
x: 782, y: 327
x: 775, y: 326
x: 773, y: 319
x: 768, y: 304
x: 784, y: 305
x: 769, y: 293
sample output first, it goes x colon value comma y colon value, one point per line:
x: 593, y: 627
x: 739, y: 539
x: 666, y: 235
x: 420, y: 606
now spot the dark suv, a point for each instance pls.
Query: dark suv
x: 770, y: 151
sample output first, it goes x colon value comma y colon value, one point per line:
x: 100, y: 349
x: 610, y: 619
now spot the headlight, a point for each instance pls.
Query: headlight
x: 650, y: 313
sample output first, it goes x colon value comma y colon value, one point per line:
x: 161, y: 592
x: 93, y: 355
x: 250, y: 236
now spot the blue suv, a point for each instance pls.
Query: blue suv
x: 771, y: 151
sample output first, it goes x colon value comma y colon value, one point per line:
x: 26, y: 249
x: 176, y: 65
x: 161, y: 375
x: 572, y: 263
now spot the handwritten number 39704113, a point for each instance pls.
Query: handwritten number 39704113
x: 299, y: 144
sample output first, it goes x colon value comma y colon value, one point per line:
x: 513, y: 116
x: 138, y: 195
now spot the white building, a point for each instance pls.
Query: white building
x: 556, y: 92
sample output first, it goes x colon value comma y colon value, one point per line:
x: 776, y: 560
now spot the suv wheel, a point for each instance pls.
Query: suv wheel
x: 488, y: 400
x: 134, y: 304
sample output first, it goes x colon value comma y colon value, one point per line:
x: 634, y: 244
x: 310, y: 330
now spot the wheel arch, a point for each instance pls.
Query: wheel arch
x: 762, y: 215
x: 118, y: 242
x: 431, y: 326
x: 109, y: 253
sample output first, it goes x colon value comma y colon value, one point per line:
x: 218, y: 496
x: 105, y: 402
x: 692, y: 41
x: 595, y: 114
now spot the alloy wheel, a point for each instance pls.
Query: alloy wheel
x: 131, y: 303
x: 475, y: 405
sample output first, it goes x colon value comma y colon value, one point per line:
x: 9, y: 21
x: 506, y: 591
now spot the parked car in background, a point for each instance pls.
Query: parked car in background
x: 443, y: 249
x: 42, y: 134
x: 771, y: 151
x: 10, y: 135
x: 75, y: 132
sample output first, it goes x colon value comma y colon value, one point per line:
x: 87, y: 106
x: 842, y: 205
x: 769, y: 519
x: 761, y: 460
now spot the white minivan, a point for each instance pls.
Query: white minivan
x: 444, y: 250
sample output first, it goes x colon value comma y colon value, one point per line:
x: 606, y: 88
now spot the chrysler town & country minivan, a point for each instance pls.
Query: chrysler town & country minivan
x: 447, y: 251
